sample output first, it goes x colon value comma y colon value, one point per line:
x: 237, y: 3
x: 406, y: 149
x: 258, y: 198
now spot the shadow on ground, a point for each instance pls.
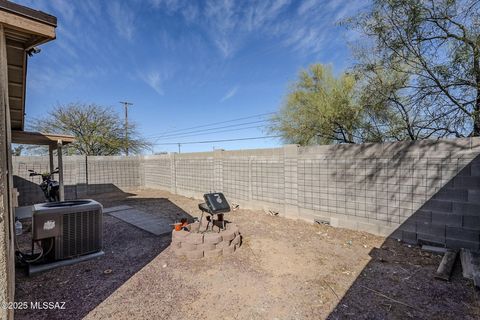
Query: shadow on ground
x: 399, y: 283
x: 85, y: 285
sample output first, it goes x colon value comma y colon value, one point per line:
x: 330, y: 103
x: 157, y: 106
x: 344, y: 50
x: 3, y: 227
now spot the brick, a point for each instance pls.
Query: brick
x: 347, y: 224
x: 223, y: 244
x: 465, y: 172
x: 213, y: 253
x: 409, y: 225
x: 194, y: 238
x: 228, y: 235
x: 229, y: 250
x: 467, y: 182
x: 475, y: 170
x: 438, y: 205
x: 431, y: 229
x: 197, y: 254
x: 188, y: 246
x: 180, y: 234
x: 459, y: 244
x: 463, y: 234
x: 207, y: 247
x: 466, y: 208
x: 422, y: 216
x: 452, y: 194
x: 179, y: 252
x: 474, y: 196
x: 429, y: 239
x: 368, y: 227
x: 430, y: 233
x: 409, y: 237
x: 396, y: 234
x: 447, y: 219
x: 213, y: 238
x: 471, y: 222
x: 193, y: 226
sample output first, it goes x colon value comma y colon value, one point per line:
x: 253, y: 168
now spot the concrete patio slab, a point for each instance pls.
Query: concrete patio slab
x: 151, y: 223
x: 116, y: 208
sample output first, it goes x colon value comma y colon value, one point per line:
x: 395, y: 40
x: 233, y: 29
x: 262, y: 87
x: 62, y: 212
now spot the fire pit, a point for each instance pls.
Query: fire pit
x: 196, y: 242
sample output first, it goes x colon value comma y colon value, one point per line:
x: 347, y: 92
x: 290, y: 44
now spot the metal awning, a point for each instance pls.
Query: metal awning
x: 53, y: 141
x: 41, y: 139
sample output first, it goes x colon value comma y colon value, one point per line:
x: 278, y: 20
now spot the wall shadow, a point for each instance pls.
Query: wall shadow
x: 85, y: 285
x: 30, y: 192
x: 398, y: 282
x: 429, y: 189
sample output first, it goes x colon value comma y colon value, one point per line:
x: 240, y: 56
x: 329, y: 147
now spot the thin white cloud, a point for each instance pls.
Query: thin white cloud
x: 308, y: 27
x: 47, y: 78
x: 306, y: 6
x: 154, y: 80
x: 230, y: 93
x: 65, y: 8
x: 123, y: 19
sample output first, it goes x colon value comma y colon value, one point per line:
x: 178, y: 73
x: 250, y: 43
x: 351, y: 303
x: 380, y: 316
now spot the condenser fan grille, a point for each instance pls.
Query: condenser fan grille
x: 81, y: 233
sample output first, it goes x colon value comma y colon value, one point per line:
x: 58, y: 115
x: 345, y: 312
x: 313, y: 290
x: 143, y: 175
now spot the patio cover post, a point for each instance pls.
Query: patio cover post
x: 50, y: 157
x: 60, y: 170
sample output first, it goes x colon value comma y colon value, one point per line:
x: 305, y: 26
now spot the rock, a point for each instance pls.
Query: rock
x: 213, y: 253
x: 228, y: 235
x: 229, y: 250
x: 194, y: 238
x: 212, y: 238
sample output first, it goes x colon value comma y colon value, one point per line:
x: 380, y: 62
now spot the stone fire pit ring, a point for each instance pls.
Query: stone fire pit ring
x: 196, y: 245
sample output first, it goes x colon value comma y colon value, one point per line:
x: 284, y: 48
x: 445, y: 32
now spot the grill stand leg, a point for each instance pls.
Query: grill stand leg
x: 200, y: 224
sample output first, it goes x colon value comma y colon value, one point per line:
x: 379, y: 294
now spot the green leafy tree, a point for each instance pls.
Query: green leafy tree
x: 320, y: 108
x: 97, y: 130
x: 419, y: 67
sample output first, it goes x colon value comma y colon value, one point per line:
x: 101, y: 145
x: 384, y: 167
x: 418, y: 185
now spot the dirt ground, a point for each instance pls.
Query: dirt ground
x: 284, y: 270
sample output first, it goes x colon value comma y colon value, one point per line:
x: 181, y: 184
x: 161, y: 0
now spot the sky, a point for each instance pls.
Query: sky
x: 185, y: 63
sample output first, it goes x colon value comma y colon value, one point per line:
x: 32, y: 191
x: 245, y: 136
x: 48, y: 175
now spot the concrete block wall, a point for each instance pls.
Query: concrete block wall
x: 82, y: 176
x: 236, y: 178
x: 419, y: 192
x: 451, y: 217
x: 406, y: 190
x: 194, y: 176
x: 158, y: 172
x: 107, y: 174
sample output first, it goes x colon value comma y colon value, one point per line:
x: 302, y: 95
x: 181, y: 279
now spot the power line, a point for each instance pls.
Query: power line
x: 214, y: 141
x: 213, y: 123
x: 206, y: 131
x: 218, y: 131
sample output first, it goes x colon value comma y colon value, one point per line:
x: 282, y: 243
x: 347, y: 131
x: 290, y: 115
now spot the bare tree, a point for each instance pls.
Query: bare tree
x: 98, y: 130
x: 421, y: 67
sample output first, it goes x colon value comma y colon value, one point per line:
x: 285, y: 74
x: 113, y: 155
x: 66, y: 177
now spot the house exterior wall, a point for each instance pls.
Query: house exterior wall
x: 7, y: 270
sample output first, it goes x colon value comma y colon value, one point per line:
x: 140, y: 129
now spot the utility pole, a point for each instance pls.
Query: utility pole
x: 126, y: 105
x: 179, y: 148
